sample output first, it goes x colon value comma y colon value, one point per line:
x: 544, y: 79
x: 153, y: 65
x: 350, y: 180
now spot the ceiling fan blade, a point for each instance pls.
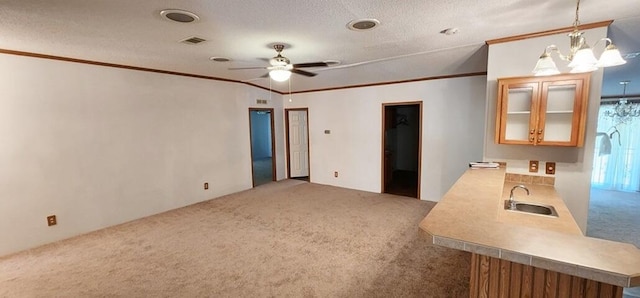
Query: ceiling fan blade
x: 266, y: 75
x: 303, y: 72
x: 238, y: 68
x: 310, y: 64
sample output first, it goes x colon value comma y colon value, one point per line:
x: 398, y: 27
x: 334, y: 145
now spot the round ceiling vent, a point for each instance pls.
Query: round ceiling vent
x: 180, y: 16
x: 363, y: 24
x: 220, y: 59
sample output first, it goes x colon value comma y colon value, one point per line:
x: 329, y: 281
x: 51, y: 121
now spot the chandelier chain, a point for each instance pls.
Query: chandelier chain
x: 576, y: 22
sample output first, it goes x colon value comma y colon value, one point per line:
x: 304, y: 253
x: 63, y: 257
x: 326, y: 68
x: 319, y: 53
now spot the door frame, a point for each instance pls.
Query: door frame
x: 288, y: 149
x: 273, y: 144
x: 404, y: 103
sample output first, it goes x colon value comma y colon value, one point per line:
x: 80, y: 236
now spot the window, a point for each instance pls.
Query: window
x: 616, y: 163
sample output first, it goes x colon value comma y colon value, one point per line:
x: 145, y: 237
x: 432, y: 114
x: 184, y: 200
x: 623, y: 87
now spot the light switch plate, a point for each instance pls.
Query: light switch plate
x: 550, y: 168
x: 533, y: 166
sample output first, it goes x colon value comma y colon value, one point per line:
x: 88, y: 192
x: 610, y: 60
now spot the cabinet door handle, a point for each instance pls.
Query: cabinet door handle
x: 539, y: 140
x: 539, y: 131
x: 532, y: 131
x: 531, y: 139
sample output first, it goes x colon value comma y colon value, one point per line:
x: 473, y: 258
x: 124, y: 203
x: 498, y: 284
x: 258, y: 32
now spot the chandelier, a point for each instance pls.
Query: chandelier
x: 624, y: 111
x: 580, y: 57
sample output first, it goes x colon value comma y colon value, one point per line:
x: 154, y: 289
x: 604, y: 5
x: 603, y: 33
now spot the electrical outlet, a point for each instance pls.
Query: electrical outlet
x: 51, y: 220
x: 550, y: 168
x: 335, y: 174
x: 206, y: 185
x: 533, y: 166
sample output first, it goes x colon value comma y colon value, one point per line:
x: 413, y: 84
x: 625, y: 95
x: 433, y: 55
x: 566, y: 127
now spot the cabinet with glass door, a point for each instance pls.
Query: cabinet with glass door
x: 542, y: 111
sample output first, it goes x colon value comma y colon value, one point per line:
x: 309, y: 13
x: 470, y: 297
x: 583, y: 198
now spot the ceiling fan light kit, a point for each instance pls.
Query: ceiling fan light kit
x: 280, y: 74
x: 281, y: 67
x: 581, y: 57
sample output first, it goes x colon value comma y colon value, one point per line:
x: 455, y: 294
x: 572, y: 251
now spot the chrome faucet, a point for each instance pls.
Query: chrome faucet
x: 512, y: 203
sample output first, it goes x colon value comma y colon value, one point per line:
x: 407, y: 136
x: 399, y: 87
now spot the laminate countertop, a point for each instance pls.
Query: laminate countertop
x: 471, y: 217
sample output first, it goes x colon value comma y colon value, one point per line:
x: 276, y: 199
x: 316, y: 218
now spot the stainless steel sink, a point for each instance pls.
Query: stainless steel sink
x: 533, y: 208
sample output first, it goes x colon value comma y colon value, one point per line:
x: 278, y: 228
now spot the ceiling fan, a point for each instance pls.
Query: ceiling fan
x: 281, y: 67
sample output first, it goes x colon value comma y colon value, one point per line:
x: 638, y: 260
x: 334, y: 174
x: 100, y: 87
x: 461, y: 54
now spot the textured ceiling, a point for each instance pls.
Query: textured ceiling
x: 407, y: 45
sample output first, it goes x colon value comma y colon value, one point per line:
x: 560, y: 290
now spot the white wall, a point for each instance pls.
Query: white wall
x: 453, y: 131
x: 573, y: 169
x: 99, y: 146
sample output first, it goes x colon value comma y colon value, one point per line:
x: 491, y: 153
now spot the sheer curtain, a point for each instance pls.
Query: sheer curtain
x: 616, y: 163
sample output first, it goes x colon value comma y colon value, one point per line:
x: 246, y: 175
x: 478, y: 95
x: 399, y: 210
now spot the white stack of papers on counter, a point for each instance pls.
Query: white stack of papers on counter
x: 484, y: 165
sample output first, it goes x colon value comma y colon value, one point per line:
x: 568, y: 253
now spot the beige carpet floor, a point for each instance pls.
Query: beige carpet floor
x: 282, y: 239
x: 614, y: 215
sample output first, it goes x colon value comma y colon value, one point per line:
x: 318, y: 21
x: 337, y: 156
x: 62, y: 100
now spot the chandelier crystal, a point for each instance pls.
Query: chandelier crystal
x: 624, y: 111
x: 580, y: 57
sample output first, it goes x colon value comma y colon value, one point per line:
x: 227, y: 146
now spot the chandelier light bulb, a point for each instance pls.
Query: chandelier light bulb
x: 610, y: 57
x: 545, y: 66
x: 583, y: 59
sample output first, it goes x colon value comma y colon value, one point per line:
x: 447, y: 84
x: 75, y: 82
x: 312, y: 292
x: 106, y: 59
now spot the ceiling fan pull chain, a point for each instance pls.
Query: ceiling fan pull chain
x: 290, y: 100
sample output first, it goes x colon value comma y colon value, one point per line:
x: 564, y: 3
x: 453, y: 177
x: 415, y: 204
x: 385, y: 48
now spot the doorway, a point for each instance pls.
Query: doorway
x: 615, y: 179
x: 614, y: 202
x: 401, y: 152
x: 297, y: 131
x: 263, y: 161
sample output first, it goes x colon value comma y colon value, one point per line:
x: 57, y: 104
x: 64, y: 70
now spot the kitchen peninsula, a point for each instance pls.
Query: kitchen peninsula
x: 517, y: 254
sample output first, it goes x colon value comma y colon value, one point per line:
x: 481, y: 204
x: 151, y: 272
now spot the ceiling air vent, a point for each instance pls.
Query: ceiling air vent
x: 180, y: 16
x: 363, y: 24
x: 193, y: 40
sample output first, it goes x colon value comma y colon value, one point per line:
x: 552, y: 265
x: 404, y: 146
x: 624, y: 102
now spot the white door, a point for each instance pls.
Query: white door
x: 298, y: 144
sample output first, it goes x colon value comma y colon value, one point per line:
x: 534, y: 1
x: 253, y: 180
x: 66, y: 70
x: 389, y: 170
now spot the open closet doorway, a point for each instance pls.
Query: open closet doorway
x: 401, y: 148
x: 263, y: 162
x: 297, y: 130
